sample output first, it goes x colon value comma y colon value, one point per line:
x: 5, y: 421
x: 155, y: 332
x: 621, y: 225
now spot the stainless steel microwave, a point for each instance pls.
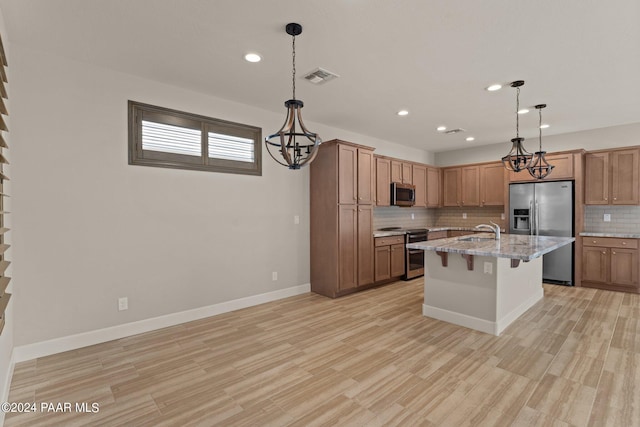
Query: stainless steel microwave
x: 402, y: 194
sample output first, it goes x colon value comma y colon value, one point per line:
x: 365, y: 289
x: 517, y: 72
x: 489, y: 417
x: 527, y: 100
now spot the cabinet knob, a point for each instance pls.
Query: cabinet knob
x: 594, y: 241
x: 360, y: 198
x: 613, y: 253
x: 624, y: 243
x: 615, y: 198
x: 604, y: 252
x: 606, y: 198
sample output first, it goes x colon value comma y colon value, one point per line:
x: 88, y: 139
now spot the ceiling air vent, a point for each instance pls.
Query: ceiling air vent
x: 452, y: 131
x: 320, y: 75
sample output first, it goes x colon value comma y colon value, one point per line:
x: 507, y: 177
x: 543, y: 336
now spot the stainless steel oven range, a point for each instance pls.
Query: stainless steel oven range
x: 414, y: 261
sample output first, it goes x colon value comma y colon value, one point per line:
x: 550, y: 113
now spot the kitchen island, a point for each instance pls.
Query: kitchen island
x: 482, y: 283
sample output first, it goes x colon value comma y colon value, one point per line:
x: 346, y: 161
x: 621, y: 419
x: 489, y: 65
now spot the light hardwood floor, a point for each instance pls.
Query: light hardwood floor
x: 365, y: 359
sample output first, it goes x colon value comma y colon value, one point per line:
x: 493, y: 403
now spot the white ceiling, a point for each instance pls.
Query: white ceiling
x: 432, y: 57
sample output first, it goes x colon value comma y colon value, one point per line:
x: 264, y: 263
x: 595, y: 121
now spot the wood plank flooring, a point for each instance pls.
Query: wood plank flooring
x: 367, y: 359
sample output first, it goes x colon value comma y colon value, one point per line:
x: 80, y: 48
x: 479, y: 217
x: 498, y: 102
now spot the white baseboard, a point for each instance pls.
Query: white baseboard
x: 7, y: 386
x: 482, y: 325
x: 502, y: 324
x: 471, y: 322
x: 72, y: 342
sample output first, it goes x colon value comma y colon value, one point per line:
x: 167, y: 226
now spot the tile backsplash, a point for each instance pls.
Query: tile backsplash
x: 394, y: 216
x: 624, y: 219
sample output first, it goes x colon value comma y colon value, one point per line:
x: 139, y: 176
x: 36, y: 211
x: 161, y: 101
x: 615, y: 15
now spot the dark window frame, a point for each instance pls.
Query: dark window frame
x: 137, y: 156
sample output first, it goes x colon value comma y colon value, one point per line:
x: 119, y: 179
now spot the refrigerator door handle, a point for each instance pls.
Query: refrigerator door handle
x: 531, y: 218
x: 537, y: 218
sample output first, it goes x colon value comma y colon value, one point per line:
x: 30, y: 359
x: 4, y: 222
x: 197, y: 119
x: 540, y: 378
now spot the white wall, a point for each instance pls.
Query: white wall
x: 595, y: 139
x: 90, y: 228
x: 6, y: 339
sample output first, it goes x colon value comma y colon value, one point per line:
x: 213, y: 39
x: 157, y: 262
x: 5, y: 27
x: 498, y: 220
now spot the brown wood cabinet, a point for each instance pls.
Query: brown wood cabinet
x: 401, y: 172
x: 612, y: 177
x: 461, y: 186
x: 433, y: 187
x: 389, y: 258
x: 341, y: 199
x: 610, y: 263
x: 492, y: 184
x: 383, y: 181
x: 563, y: 168
x: 419, y: 180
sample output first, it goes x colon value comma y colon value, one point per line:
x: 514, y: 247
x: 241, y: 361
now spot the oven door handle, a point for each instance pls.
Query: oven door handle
x: 414, y: 251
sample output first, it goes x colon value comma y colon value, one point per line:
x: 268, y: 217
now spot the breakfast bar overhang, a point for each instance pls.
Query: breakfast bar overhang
x: 482, y: 283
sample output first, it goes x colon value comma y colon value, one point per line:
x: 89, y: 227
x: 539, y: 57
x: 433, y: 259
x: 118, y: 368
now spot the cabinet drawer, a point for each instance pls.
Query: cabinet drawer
x: 610, y: 242
x: 434, y: 235
x: 389, y: 240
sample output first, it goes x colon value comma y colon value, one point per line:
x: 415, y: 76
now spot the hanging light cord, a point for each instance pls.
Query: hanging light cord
x: 293, y: 60
x: 518, y: 115
x: 540, y: 129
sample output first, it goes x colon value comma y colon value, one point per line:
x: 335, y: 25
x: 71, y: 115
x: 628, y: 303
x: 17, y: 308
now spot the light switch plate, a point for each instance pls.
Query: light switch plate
x: 607, y: 218
x: 464, y: 216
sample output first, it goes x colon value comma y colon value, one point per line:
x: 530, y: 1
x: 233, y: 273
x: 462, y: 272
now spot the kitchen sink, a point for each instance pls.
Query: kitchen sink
x: 475, y: 239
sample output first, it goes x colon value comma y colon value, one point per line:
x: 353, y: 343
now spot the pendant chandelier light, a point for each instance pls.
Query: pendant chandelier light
x: 518, y: 158
x: 297, y: 146
x: 540, y: 168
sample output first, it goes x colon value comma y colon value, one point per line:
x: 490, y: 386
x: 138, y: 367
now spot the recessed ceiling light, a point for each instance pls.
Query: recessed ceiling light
x: 523, y: 111
x: 494, y: 87
x: 441, y: 128
x: 470, y: 138
x: 544, y: 126
x: 403, y: 112
x: 252, y: 57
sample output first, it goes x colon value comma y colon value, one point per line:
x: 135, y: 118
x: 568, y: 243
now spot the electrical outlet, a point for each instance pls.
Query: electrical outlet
x: 274, y: 276
x: 464, y: 216
x: 502, y: 216
x: 488, y: 268
x: 607, y: 218
x: 123, y: 304
x: 296, y: 219
x: 413, y: 216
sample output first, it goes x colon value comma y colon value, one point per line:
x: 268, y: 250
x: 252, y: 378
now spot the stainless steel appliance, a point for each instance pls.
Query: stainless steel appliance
x: 414, y: 262
x: 546, y: 209
x: 402, y: 194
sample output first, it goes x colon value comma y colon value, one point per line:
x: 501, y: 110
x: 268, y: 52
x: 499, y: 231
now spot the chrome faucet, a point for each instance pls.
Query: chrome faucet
x: 495, y: 229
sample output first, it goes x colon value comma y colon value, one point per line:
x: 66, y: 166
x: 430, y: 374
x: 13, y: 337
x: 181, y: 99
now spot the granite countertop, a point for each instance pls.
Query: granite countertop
x: 512, y: 246
x: 381, y: 233
x: 618, y: 235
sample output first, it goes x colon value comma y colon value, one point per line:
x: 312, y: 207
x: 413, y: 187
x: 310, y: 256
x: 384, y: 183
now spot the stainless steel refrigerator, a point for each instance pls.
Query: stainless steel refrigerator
x: 546, y: 209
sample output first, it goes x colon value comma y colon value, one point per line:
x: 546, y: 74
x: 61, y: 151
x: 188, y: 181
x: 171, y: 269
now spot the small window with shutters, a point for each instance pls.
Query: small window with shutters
x: 174, y: 139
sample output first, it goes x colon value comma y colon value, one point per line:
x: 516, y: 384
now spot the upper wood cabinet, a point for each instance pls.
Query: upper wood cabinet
x: 433, y: 187
x: 419, y: 180
x: 563, y: 168
x: 461, y: 186
x: 611, y: 177
x: 492, y: 184
x: 383, y: 181
x: 401, y: 172
x: 355, y: 184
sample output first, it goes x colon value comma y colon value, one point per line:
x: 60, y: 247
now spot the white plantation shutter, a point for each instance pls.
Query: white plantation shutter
x: 227, y: 147
x: 171, y: 139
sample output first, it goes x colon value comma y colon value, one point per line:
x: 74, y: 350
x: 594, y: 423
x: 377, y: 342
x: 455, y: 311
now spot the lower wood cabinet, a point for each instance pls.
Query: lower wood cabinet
x: 610, y: 263
x: 389, y: 257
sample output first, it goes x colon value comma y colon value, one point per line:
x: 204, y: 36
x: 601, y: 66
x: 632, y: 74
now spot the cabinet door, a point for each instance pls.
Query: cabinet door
x: 451, y: 187
x: 420, y: 182
x: 563, y: 169
x: 397, y: 260
x: 365, y: 245
x: 365, y: 176
x: 624, y: 267
x: 348, y: 247
x: 347, y: 174
x: 595, y: 264
x: 382, y: 263
x: 492, y: 186
x: 396, y: 171
x: 624, y: 178
x: 470, y: 176
x: 407, y: 174
x: 383, y: 182
x: 596, y: 179
x: 433, y: 187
